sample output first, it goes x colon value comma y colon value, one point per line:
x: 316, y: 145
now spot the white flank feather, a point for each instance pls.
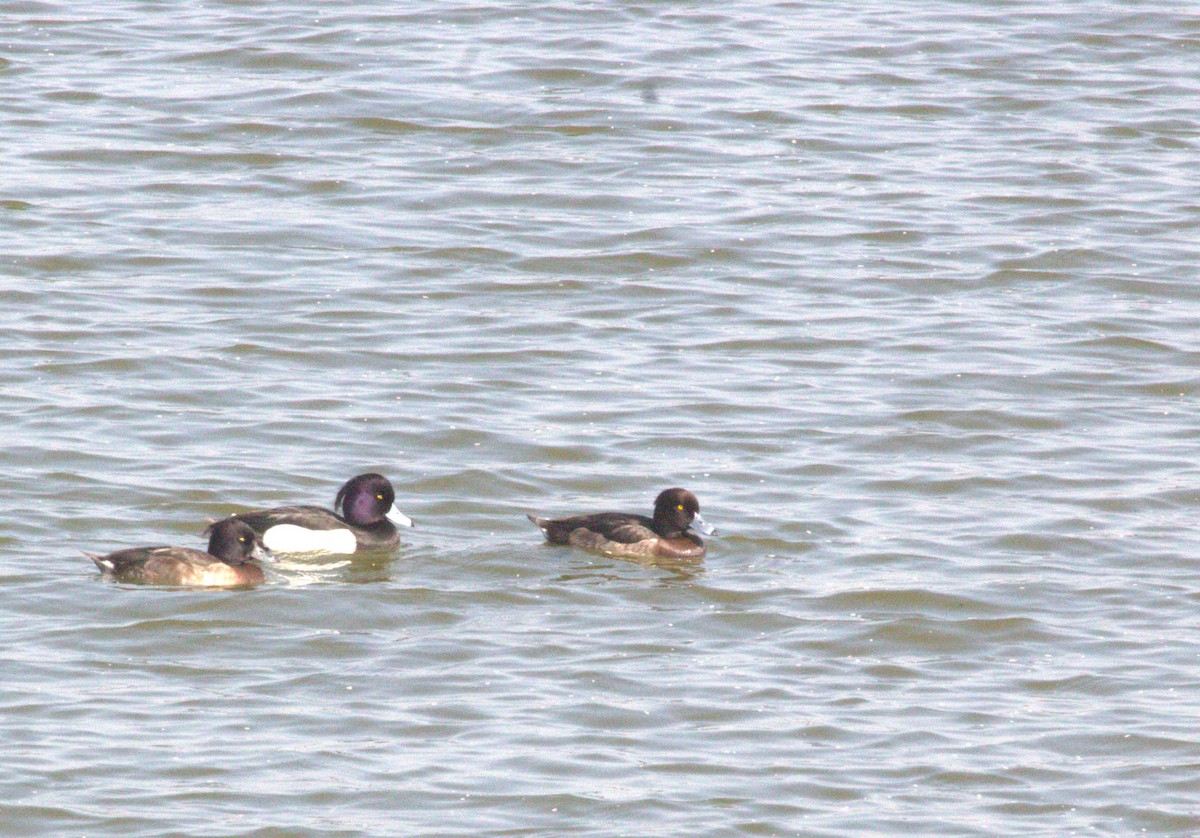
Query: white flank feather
x: 289, y: 538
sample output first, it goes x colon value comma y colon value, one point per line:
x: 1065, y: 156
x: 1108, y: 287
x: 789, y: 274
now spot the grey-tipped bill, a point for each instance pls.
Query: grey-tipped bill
x: 398, y: 518
x: 699, y: 523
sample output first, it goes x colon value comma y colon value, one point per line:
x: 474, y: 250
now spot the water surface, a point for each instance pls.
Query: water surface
x: 904, y: 292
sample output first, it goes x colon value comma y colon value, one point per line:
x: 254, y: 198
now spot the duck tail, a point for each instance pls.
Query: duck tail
x: 101, y: 562
x: 554, y: 531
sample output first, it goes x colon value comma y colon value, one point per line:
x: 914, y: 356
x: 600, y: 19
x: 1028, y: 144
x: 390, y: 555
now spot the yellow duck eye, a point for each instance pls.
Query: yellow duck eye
x: 379, y: 497
x: 680, y: 507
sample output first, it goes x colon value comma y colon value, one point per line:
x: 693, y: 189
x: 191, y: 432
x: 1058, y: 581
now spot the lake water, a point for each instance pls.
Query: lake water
x: 906, y: 293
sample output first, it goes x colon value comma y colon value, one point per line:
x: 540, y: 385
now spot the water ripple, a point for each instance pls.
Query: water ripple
x: 911, y: 309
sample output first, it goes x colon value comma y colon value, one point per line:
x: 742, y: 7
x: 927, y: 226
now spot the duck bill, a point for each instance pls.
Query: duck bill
x: 699, y: 523
x: 262, y: 554
x: 398, y: 518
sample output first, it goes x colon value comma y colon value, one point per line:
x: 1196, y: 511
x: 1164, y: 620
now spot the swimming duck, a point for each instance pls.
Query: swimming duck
x: 667, y: 535
x: 369, y: 515
x: 233, y: 550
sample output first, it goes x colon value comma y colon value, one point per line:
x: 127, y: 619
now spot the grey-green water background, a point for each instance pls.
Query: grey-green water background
x: 905, y: 292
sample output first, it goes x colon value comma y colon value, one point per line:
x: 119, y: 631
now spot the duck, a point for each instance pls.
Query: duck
x: 367, y: 521
x: 668, y: 534
x: 234, y: 551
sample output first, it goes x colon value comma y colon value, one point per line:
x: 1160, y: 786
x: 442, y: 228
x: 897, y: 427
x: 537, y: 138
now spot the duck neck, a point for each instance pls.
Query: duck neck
x: 665, y: 527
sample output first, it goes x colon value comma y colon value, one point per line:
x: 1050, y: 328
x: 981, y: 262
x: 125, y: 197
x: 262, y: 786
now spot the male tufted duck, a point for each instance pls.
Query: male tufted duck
x: 367, y: 503
x: 666, y: 535
x: 233, y: 549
